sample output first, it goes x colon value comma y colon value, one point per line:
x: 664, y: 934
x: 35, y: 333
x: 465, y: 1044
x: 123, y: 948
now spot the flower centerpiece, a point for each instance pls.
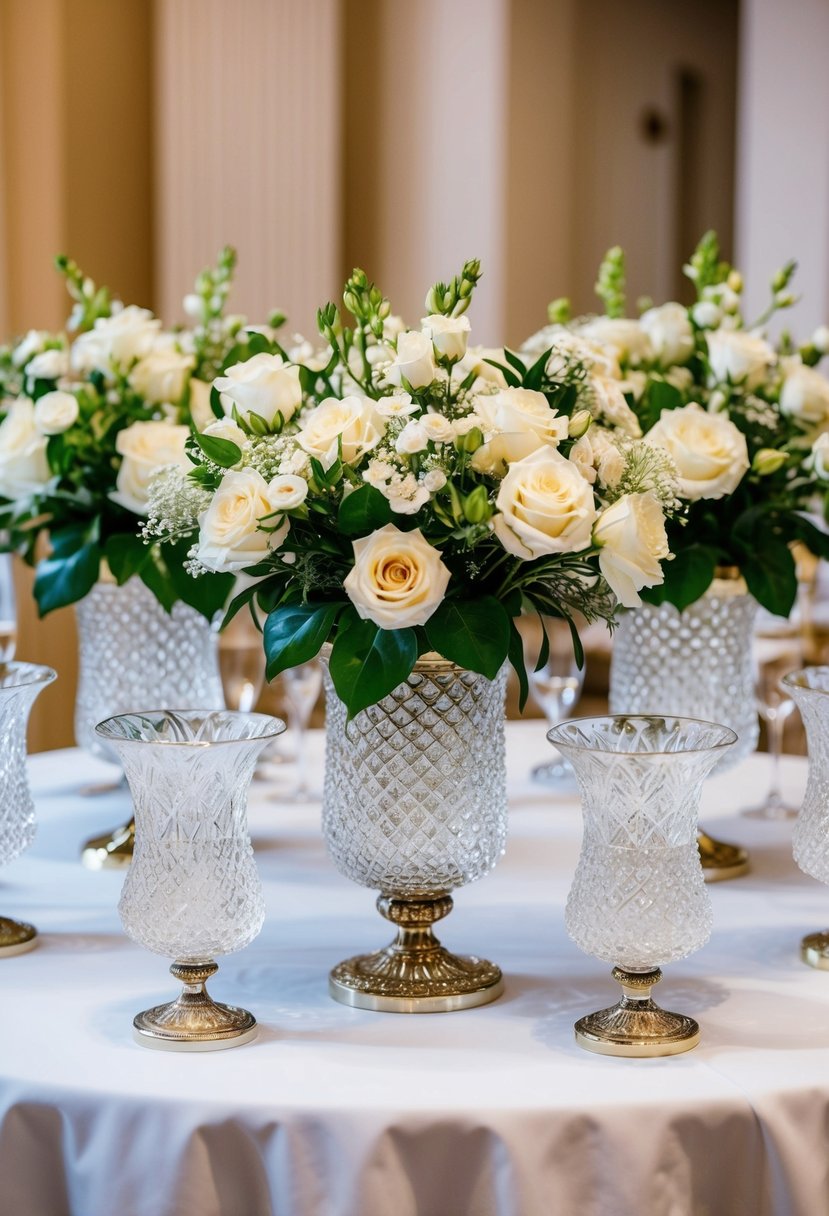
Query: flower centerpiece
x: 399, y: 498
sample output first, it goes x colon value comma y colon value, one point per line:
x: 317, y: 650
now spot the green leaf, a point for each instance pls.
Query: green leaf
x: 687, y: 577
x: 518, y: 364
x: 771, y: 576
x: 294, y: 633
x: 125, y: 555
x: 363, y: 511
x: 544, y: 649
x: 815, y: 540
x: 472, y: 633
x: 71, y: 570
x: 516, y: 658
x: 535, y: 376
x: 159, y: 582
x: 659, y: 396
x: 509, y: 375
x: 208, y: 593
x: 216, y: 403
x: 220, y: 451
x: 367, y: 662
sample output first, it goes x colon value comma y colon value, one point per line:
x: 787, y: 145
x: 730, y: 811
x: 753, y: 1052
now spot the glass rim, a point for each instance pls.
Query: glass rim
x: 790, y: 679
x: 279, y: 723
x: 39, y: 673
x: 730, y: 736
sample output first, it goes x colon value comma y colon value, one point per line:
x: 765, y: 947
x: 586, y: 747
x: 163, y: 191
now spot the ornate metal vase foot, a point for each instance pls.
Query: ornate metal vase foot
x: 415, y: 974
x: 720, y: 860
x: 194, y: 1022
x: 16, y: 937
x: 814, y: 950
x: 636, y: 1026
x: 112, y: 851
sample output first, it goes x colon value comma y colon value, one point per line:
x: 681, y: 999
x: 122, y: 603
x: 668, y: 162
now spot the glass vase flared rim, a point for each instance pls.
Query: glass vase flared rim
x: 38, y: 673
x: 553, y: 735
x: 191, y: 744
x: 790, y: 679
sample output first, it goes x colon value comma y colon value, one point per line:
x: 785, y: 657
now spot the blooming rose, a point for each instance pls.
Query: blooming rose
x: 265, y: 385
x: 709, y: 452
x: 161, y: 376
x: 609, y: 399
x: 146, y: 447
x: 623, y: 337
x: 669, y: 332
x: 438, y: 428
x: 353, y: 421
x: 448, y: 335
x: 737, y: 357
x: 230, y: 537
x: 226, y: 428
x: 494, y: 457
x: 632, y: 542
x: 55, y: 413
x: 414, y: 361
x: 287, y: 490
x: 545, y: 506
x: 23, y: 466
x: 122, y: 338
x: 48, y: 365
x: 518, y: 410
x: 398, y: 579
x: 805, y: 393
x: 413, y: 438
x: 397, y: 405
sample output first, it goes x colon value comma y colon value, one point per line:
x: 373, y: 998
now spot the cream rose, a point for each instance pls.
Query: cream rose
x: 496, y: 455
x: 609, y: 400
x: 288, y: 491
x: 24, y: 468
x: 448, y: 335
x: 518, y: 410
x: 48, y: 365
x: 632, y: 542
x: 265, y: 385
x: 670, y: 333
x: 737, y: 357
x: 121, y: 339
x: 230, y: 535
x: 352, y: 421
x: 161, y: 376
x: 226, y: 428
x: 56, y: 412
x: 413, y: 362
x: 398, y: 579
x: 624, y: 338
x: 145, y: 448
x: 709, y: 452
x: 544, y: 506
x: 805, y: 393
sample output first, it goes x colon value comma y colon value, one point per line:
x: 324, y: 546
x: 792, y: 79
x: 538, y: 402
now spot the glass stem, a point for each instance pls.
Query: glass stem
x: 298, y: 728
x: 776, y: 724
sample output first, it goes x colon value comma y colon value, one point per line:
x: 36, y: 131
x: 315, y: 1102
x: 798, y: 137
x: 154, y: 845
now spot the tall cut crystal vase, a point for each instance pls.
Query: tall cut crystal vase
x: 20, y: 684
x: 638, y: 898
x: 414, y: 806
x: 131, y: 654
x: 695, y: 664
x: 192, y: 892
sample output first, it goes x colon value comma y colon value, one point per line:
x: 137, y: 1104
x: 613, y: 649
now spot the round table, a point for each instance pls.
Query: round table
x: 335, y: 1111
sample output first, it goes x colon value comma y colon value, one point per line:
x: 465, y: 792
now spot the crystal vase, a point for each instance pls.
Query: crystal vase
x: 192, y: 892
x: 638, y: 899
x: 132, y: 653
x: 414, y: 805
x: 20, y: 684
x: 696, y: 664
x: 810, y: 837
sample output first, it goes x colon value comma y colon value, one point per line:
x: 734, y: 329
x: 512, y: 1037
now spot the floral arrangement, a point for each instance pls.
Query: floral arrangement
x: 398, y: 492
x: 745, y: 422
x: 89, y: 416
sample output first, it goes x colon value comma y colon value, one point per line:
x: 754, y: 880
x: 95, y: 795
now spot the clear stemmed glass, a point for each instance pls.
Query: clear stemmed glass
x: 778, y: 650
x: 302, y: 688
x: 192, y: 892
x: 555, y: 687
x: 241, y: 663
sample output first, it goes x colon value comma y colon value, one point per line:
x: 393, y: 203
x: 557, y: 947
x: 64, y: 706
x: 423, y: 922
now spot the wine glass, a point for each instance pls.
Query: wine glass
x: 242, y: 663
x: 8, y: 610
x: 778, y: 649
x: 302, y: 688
x: 555, y: 687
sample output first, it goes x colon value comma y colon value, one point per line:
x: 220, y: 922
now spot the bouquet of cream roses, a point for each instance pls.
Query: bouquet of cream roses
x: 398, y: 492
x: 90, y: 417
x: 745, y: 423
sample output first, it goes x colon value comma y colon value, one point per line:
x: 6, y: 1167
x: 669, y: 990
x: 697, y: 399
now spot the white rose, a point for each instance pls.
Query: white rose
x: 265, y: 385
x: 609, y: 400
x: 545, y: 506
x: 670, y: 333
x: 48, y: 365
x: 706, y: 314
x: 412, y: 438
x: 121, y: 339
x: 476, y: 360
x: 623, y: 337
x: 352, y: 421
x: 161, y: 376
x: 230, y: 536
x: 581, y: 455
x: 414, y: 361
x: 632, y: 543
x: 23, y: 466
x: 517, y: 410
x: 398, y: 579
x: 496, y: 455
x: 805, y: 393
x: 287, y: 491
x: 448, y: 335
x: 29, y: 346
x: 819, y: 458
x: 709, y: 452
x: 146, y: 447
x: 55, y: 413
x: 226, y: 428
x: 737, y: 357
x: 398, y: 405
x: 438, y: 428
x: 434, y: 480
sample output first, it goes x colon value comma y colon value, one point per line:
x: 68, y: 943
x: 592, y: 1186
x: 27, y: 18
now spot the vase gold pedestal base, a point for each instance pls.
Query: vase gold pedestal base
x: 194, y: 1022
x: 636, y: 1026
x: 720, y: 860
x: 16, y: 937
x: 112, y: 851
x: 415, y: 974
x: 814, y: 950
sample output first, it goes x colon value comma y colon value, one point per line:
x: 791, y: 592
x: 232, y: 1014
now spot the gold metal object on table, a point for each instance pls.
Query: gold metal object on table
x: 415, y: 973
x: 720, y: 860
x: 636, y: 1027
x: 112, y: 851
x: 814, y: 950
x: 16, y: 937
x: 194, y: 1022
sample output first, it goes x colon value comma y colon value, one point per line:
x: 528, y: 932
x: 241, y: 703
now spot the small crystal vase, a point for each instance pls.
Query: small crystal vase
x: 638, y: 899
x: 697, y: 664
x: 133, y: 653
x: 414, y: 805
x: 192, y: 892
x: 20, y: 684
x: 810, y: 837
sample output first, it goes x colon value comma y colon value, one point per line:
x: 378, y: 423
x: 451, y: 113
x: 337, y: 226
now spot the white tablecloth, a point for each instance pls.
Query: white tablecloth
x: 341, y: 1112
